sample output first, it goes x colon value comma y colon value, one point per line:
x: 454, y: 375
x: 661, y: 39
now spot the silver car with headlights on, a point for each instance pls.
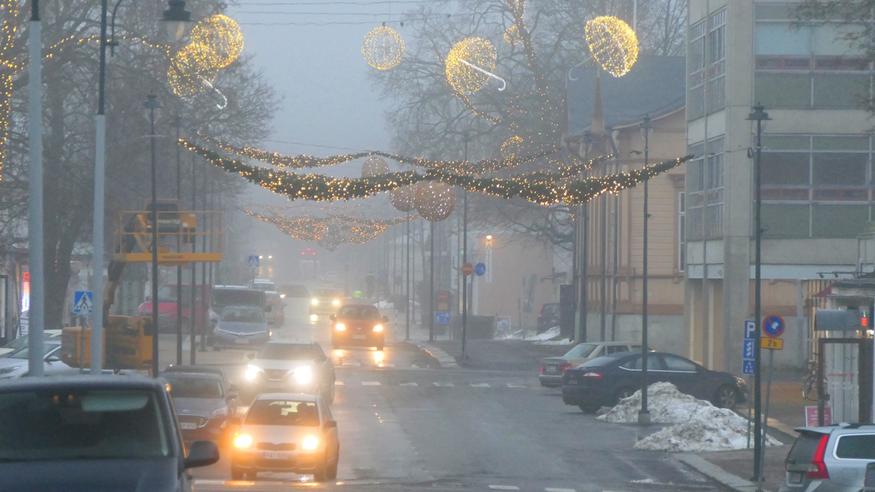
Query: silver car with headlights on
x: 294, y: 367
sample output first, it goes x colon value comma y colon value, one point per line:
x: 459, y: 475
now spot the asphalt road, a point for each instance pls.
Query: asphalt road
x: 406, y: 424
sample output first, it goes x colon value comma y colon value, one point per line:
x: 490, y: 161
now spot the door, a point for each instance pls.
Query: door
x: 630, y: 371
x: 682, y: 373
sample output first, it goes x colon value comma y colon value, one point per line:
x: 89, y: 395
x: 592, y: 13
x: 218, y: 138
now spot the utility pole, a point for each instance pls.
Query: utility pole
x: 407, y: 277
x: 35, y: 212
x: 179, y: 248
x: 152, y: 104
x: 192, y: 340
x: 465, y: 262
x: 644, y: 413
x: 759, y: 115
x: 431, y: 281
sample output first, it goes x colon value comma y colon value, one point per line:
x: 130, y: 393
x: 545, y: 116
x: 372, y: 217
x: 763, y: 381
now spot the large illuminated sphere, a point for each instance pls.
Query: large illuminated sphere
x: 434, y: 200
x: 476, y: 51
x: 613, y: 44
x: 221, y: 35
x: 374, y: 166
x: 512, y: 147
x: 383, y: 48
x: 188, y: 70
x: 511, y: 35
x: 402, y: 198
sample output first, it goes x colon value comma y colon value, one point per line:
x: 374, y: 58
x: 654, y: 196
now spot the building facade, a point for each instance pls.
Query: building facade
x: 817, y: 179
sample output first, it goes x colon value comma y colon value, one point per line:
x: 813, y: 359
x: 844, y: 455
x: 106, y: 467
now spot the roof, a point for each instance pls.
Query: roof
x: 288, y: 396
x: 654, y: 86
x: 191, y: 375
x: 82, y: 382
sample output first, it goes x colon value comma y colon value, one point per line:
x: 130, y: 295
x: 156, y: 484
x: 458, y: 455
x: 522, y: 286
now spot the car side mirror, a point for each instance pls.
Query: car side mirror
x: 201, y: 453
x: 330, y: 424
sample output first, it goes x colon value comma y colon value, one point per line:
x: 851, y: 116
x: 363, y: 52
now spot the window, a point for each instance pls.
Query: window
x: 703, y: 202
x: 839, y: 220
x: 634, y: 364
x: 786, y: 221
x: 283, y: 412
x: 292, y: 351
x: 674, y: 363
x: 706, y: 53
x: 856, y: 447
x: 613, y: 349
x: 783, y: 90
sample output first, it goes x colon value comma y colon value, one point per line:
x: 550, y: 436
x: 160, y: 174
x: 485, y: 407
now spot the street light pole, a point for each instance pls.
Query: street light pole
x: 179, y: 249
x: 759, y: 115
x: 465, y: 262
x: 431, y: 281
x: 644, y: 413
x: 152, y: 104
x: 35, y: 212
x: 192, y: 322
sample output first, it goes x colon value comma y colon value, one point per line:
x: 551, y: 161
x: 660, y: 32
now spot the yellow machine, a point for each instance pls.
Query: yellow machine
x: 127, y: 343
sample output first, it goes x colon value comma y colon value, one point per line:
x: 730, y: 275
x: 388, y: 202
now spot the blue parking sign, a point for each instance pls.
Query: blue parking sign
x: 747, y: 367
x: 750, y: 328
x: 747, y: 351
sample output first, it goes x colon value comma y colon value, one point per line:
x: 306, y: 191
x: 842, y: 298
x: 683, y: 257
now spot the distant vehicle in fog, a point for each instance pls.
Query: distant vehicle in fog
x: 324, y: 303
x: 241, y: 326
x: 233, y: 295
x: 264, y: 284
x: 276, y: 315
x: 358, y: 325
x: 297, y: 299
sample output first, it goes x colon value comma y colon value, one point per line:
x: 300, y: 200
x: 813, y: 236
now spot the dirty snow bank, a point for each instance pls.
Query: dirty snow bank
x: 698, y: 425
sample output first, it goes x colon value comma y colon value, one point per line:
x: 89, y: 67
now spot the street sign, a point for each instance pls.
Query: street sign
x: 253, y: 261
x: 443, y: 300
x: 83, y: 302
x: 811, y: 415
x: 747, y: 350
x: 480, y: 269
x: 770, y: 343
x: 773, y: 326
x: 747, y: 366
x: 467, y: 269
x: 750, y: 329
x: 442, y: 317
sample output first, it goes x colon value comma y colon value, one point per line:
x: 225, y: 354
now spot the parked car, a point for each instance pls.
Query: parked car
x: 276, y: 316
x: 605, y: 380
x: 105, y: 433
x: 284, y: 432
x: 203, y: 404
x: 830, y: 459
x: 548, y: 317
x: 241, y: 326
x: 552, y: 368
x: 263, y: 284
x: 21, y: 342
x: 359, y: 325
x: 14, y: 364
x: 295, y: 367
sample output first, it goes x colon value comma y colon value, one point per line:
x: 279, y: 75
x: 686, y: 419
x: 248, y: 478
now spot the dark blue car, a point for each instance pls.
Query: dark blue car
x: 604, y: 380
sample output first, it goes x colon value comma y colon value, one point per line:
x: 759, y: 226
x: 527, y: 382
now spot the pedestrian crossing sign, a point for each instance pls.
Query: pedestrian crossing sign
x: 83, y: 302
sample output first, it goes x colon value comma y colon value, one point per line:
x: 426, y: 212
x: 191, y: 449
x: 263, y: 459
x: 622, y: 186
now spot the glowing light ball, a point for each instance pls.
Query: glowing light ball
x: 457, y: 67
x: 402, y: 198
x: 374, y: 166
x: 188, y: 70
x: 512, y: 147
x: 434, y: 200
x: 222, y: 37
x: 613, y: 44
x: 511, y: 35
x: 383, y: 48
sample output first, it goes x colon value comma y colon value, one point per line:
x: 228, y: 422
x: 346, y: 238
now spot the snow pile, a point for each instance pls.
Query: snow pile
x: 667, y: 405
x: 561, y: 341
x: 546, y: 335
x: 697, y: 424
x: 385, y: 305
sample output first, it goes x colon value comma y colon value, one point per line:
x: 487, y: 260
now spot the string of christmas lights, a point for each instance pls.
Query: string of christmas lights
x: 383, y: 48
x: 9, y: 11
x: 612, y: 43
x: 542, y: 191
x: 221, y: 38
x: 191, y: 70
x: 330, y: 231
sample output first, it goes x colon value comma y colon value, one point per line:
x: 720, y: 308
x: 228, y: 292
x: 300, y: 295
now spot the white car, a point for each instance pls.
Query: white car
x: 291, y: 367
x: 22, y: 341
x: 286, y: 432
x: 14, y: 364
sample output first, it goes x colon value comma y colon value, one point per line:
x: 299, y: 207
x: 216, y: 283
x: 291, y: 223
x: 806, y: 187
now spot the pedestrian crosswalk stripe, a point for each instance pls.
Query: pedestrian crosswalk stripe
x: 339, y: 383
x: 554, y: 489
x: 409, y: 384
x: 479, y: 385
x: 443, y: 385
x: 514, y: 385
x: 370, y: 383
x: 503, y: 487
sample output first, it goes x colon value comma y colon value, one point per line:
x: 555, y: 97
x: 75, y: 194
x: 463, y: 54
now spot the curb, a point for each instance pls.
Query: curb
x: 444, y: 359
x: 718, y: 474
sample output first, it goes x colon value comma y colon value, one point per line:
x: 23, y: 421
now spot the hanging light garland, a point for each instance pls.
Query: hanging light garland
x: 222, y: 39
x: 374, y: 166
x: 543, y: 188
x: 613, y: 44
x: 189, y: 68
x: 402, y: 198
x: 511, y: 147
x: 383, y: 48
x: 434, y: 201
x: 330, y: 231
x: 9, y: 10
x: 511, y: 35
x: 460, y: 62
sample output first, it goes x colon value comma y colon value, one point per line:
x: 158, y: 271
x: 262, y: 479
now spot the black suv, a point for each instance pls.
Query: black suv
x: 603, y: 381
x: 94, y: 433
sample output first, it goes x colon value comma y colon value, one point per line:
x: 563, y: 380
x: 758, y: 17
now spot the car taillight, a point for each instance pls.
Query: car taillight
x: 593, y: 375
x: 564, y: 366
x: 541, y: 370
x: 818, y: 465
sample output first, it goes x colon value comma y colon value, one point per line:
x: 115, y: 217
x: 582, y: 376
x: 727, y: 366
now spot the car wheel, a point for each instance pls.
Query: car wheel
x: 331, y: 472
x: 237, y: 473
x: 725, y: 397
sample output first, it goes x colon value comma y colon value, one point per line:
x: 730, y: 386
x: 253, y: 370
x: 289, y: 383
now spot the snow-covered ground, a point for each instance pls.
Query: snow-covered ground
x: 697, y: 424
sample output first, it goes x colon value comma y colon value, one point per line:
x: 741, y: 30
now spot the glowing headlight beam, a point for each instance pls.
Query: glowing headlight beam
x: 487, y: 73
x: 303, y: 375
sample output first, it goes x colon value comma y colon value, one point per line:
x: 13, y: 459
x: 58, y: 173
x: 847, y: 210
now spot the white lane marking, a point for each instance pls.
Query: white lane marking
x: 408, y: 384
x: 370, y: 383
x: 479, y: 385
x: 515, y: 385
x: 352, y: 364
x: 339, y: 383
x: 444, y: 385
x: 554, y: 489
x: 503, y: 487
x: 386, y: 364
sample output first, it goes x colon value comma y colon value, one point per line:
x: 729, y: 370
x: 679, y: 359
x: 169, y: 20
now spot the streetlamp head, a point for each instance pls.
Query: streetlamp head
x: 176, y: 19
x: 758, y: 114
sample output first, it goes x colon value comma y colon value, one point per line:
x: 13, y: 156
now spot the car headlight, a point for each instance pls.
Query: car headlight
x: 282, y: 296
x: 378, y: 328
x: 242, y: 441
x: 314, y: 301
x: 303, y: 375
x: 310, y: 443
x: 251, y: 372
x: 220, y: 412
x: 340, y: 327
x: 335, y: 302
x: 314, y: 318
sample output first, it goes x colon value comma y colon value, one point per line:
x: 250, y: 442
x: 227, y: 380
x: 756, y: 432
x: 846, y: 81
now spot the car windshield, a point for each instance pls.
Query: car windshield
x: 581, y: 351
x: 194, y: 387
x: 81, y: 425
x: 23, y: 352
x: 358, y: 312
x: 283, y: 412
x: 242, y: 314
x: 290, y: 351
x: 328, y: 293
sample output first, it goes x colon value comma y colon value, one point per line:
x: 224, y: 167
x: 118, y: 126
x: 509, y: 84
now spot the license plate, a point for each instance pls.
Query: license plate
x: 273, y: 455
x: 552, y: 368
x: 241, y: 341
x: 188, y: 426
x: 358, y: 337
